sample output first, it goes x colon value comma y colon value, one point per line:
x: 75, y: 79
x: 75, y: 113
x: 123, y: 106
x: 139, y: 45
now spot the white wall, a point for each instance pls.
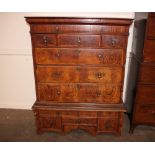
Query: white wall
x: 16, y: 78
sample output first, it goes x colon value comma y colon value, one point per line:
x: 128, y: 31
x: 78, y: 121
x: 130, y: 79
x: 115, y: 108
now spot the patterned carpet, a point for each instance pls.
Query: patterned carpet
x: 19, y: 125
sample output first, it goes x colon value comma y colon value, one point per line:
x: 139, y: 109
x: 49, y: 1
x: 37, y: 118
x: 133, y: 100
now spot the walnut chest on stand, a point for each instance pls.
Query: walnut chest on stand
x: 79, y: 73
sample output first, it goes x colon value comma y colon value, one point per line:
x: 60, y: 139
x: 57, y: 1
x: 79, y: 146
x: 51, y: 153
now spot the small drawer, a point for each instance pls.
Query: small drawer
x: 145, y: 113
x: 69, y: 113
x: 113, y: 41
x: 107, y: 125
x: 48, y: 113
x: 44, y: 40
x: 66, y: 40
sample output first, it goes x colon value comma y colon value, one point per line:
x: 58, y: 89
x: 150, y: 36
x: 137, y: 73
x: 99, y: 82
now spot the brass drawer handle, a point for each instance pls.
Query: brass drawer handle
x: 153, y: 112
x: 58, y: 54
x: 57, y: 28
x: 113, y: 42
x: 100, y: 56
x: 98, y: 94
x: 79, y: 40
x: 78, y: 68
x: 58, y: 92
x: 78, y: 86
x: 99, y: 75
x: 45, y: 40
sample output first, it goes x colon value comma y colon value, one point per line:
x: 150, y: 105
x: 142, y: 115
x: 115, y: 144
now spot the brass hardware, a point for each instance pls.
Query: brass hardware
x: 58, y: 54
x: 153, y: 112
x: 100, y: 56
x: 57, y: 28
x: 58, y: 92
x: 45, y: 40
x: 99, y: 74
x: 98, y: 94
x: 113, y: 42
x: 78, y: 40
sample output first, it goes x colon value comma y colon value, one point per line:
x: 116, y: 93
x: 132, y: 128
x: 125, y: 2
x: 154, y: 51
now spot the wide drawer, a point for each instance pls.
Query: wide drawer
x: 84, y: 92
x: 113, y: 41
x: 147, y: 74
x: 69, y: 28
x: 79, y: 74
x: 66, y: 40
x: 145, y: 114
x: 145, y: 94
x: 78, y: 56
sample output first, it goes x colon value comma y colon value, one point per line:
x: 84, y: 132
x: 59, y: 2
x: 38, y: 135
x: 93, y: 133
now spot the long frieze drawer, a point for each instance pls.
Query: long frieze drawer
x: 79, y: 74
x: 100, y: 93
x: 66, y: 40
x: 68, y: 28
x: 147, y: 74
x: 145, y: 94
x: 78, y: 56
x: 145, y: 114
x: 113, y: 41
x: 149, y: 51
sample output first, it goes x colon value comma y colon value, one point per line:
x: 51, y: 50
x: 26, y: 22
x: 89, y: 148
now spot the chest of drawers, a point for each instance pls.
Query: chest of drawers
x: 79, y: 72
x: 144, y: 103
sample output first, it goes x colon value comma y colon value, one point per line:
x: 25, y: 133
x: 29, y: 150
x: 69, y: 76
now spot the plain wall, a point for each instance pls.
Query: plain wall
x: 17, y: 88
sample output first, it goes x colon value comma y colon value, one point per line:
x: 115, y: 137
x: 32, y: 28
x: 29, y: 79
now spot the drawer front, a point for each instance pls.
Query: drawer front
x: 57, y: 92
x: 109, y: 94
x: 145, y: 114
x: 113, y: 41
x: 79, y: 74
x: 44, y: 40
x: 107, y: 124
x: 149, y: 51
x: 68, y: 28
x: 66, y: 40
x: 145, y: 94
x: 151, y: 27
x: 78, y: 56
x: 147, y: 74
x: 50, y: 122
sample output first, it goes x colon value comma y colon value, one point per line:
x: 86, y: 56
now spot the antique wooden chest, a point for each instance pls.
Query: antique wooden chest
x: 79, y: 73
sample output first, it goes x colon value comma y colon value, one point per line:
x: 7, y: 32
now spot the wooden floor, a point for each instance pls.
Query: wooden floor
x: 19, y: 125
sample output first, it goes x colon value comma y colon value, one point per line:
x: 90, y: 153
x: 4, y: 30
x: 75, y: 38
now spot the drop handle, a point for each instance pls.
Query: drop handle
x: 113, y: 42
x: 99, y: 75
x: 78, y: 40
x: 153, y: 112
x: 45, y: 40
x: 100, y: 56
x: 57, y: 28
x: 58, y: 92
x: 98, y: 94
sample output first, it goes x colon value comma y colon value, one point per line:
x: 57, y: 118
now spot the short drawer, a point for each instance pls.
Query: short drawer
x: 113, y: 41
x: 79, y: 74
x: 145, y: 94
x: 78, y: 56
x: 145, y: 114
x: 107, y: 114
x: 147, y: 74
x: 108, y: 125
x: 66, y: 40
x: 44, y: 40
